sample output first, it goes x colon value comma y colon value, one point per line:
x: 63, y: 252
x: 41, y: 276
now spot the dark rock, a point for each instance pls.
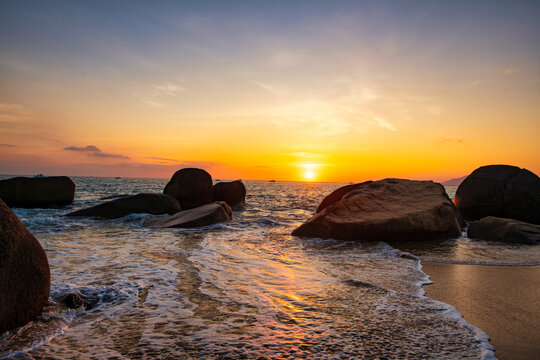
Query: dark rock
x: 24, y: 273
x: 37, y: 192
x: 201, y: 216
x: 192, y: 187
x: 501, y: 191
x: 148, y: 203
x: 388, y: 210
x: 337, y: 194
x: 75, y: 300
x: 114, y: 196
x: 233, y: 193
x: 505, y: 230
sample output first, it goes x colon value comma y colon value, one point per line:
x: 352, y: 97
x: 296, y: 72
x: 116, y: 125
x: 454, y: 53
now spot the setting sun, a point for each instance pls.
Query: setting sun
x: 309, y: 175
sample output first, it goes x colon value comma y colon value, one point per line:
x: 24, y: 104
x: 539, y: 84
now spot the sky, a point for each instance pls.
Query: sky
x: 288, y: 90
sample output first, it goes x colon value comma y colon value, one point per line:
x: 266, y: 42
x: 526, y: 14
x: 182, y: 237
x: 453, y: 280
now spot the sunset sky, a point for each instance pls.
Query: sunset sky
x: 284, y: 90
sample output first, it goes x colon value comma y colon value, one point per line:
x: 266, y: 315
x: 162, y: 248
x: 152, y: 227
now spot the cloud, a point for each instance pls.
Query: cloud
x: 96, y: 152
x: 384, y: 124
x: 87, y: 148
x: 6, y: 145
x: 107, y: 155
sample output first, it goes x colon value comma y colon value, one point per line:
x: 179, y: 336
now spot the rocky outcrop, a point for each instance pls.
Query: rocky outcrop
x: 201, y: 216
x: 337, y: 194
x: 505, y: 230
x: 501, y: 191
x: 24, y: 273
x: 191, y: 187
x: 37, y: 192
x: 233, y: 193
x: 147, y: 203
x: 387, y: 210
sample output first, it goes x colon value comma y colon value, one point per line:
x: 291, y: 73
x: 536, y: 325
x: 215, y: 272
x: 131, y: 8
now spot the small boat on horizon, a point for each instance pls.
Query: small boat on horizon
x: 38, y: 175
x: 272, y: 181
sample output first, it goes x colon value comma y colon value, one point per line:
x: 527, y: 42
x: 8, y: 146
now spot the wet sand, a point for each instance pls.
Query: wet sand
x: 503, y: 301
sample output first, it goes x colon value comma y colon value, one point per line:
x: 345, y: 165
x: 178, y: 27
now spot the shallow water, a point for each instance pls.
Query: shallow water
x: 241, y: 289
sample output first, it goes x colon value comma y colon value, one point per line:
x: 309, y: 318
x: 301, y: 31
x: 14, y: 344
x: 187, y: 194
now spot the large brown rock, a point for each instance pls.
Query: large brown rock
x: 233, y: 193
x: 201, y: 216
x: 148, y: 203
x: 501, y: 191
x: 505, y: 230
x: 37, y: 192
x: 24, y: 273
x: 192, y: 187
x: 337, y: 194
x: 388, y: 210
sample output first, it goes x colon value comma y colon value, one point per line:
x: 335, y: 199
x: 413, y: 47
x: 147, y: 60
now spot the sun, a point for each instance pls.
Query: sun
x: 309, y: 175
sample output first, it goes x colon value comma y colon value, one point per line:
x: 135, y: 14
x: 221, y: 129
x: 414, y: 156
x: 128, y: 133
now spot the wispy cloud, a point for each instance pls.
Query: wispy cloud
x: 6, y: 145
x: 107, y: 155
x: 87, y: 148
x: 384, y: 124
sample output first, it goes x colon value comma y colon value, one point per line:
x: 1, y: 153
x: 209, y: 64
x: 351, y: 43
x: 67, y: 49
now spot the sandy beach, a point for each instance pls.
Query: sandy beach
x: 503, y: 301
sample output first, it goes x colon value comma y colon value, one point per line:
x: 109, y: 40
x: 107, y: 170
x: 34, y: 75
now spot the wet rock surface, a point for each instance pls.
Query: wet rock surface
x: 24, y: 273
x: 201, y: 216
x: 505, y: 230
x: 388, y: 210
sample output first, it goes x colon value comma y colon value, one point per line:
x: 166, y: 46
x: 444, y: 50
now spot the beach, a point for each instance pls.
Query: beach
x: 503, y: 301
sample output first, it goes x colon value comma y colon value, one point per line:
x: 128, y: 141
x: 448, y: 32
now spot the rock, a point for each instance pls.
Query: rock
x: 148, y: 203
x: 501, y: 191
x: 505, y: 230
x: 388, y: 210
x: 37, y: 192
x: 76, y: 299
x: 233, y: 193
x: 336, y: 195
x: 201, y: 216
x: 114, y: 196
x: 25, y: 277
x: 192, y: 187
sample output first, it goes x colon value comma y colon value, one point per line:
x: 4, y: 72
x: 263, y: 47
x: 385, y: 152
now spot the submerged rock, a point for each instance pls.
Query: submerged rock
x: 505, y: 230
x: 233, y: 193
x: 387, y: 210
x: 148, y: 203
x: 501, y: 191
x: 201, y: 216
x: 37, y: 192
x: 191, y: 187
x: 24, y: 273
x: 76, y: 299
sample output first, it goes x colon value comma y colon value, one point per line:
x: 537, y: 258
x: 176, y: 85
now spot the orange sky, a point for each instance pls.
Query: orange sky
x: 316, y: 91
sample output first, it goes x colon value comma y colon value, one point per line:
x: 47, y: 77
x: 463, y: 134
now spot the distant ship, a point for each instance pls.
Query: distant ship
x: 117, y: 177
x: 272, y: 181
x: 38, y: 175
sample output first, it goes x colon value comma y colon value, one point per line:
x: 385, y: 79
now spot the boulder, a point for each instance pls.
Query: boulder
x: 337, y: 194
x: 501, y: 191
x: 505, y: 230
x: 192, y: 187
x: 37, y: 192
x: 201, y: 216
x: 25, y: 277
x: 388, y: 210
x: 148, y: 203
x: 233, y: 193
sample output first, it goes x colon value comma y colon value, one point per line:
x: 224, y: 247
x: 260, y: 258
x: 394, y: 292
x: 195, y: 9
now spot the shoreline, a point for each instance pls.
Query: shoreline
x: 503, y: 301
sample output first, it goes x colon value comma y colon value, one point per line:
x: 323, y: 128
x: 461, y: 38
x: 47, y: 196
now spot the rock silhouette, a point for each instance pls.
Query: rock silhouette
x: 148, y: 203
x: 233, y: 193
x: 505, y: 230
x: 37, y: 192
x: 191, y: 187
x: 501, y: 191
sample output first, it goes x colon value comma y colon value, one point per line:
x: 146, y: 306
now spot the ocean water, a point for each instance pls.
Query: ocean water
x: 244, y: 289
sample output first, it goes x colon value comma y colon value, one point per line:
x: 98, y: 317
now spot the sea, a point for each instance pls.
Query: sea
x: 242, y: 289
